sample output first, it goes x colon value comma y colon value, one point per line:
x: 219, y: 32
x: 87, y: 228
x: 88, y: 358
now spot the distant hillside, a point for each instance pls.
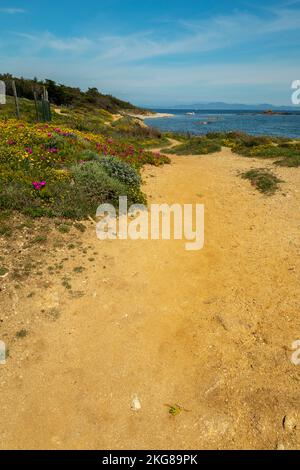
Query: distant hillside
x: 62, y: 95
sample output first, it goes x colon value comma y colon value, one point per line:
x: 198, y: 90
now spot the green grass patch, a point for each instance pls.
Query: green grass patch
x: 66, y: 283
x: 3, y: 270
x: 39, y: 239
x: 80, y: 227
x: 195, y: 146
x: 64, y: 228
x: 5, y: 230
x: 286, y: 151
x: 263, y: 180
x: 21, y: 333
x: 78, y: 269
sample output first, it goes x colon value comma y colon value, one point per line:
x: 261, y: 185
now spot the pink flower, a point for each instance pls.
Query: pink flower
x: 50, y: 135
x: 38, y: 185
x: 29, y: 150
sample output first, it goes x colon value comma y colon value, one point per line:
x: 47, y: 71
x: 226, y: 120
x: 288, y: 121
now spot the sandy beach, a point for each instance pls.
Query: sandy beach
x: 151, y: 116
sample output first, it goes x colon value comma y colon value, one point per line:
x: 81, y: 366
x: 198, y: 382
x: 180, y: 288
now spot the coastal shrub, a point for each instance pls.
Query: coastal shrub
x: 92, y: 179
x: 55, y: 142
x: 286, y: 154
x: 263, y: 180
x: 42, y: 145
x: 134, y: 131
x: 46, y: 170
x: 259, y: 151
x: 89, y: 186
x: 120, y: 170
x: 93, y: 186
x: 88, y: 155
x: 289, y: 155
x: 241, y: 140
x: 14, y: 196
x: 291, y: 161
x: 247, y: 140
x: 286, y: 151
x: 17, y: 195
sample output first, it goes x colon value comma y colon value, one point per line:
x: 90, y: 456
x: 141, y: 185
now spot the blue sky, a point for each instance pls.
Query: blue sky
x: 157, y: 52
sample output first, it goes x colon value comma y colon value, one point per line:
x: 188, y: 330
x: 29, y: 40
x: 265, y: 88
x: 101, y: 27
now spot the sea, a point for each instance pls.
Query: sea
x: 199, y: 122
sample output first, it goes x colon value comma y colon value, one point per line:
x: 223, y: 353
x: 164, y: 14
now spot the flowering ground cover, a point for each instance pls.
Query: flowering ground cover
x: 50, y: 170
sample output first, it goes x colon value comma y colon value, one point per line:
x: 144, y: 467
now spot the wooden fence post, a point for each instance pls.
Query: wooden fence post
x: 46, y: 105
x: 16, y: 99
x: 36, y: 106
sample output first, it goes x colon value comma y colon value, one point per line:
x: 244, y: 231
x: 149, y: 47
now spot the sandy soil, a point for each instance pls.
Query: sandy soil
x: 58, y: 111
x: 151, y: 116
x: 116, y: 117
x: 208, y: 330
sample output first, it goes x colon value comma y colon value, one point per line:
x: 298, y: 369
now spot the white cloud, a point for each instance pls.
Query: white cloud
x: 216, y: 33
x: 116, y: 64
x: 47, y: 40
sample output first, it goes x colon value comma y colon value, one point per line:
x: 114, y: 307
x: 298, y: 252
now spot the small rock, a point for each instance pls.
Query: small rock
x: 136, y: 404
x: 290, y: 421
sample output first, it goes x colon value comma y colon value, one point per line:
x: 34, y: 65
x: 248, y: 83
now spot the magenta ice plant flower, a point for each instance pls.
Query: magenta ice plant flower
x: 38, y: 185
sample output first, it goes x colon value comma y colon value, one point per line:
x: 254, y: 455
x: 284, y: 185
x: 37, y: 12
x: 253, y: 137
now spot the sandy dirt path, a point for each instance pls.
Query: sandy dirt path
x: 208, y: 330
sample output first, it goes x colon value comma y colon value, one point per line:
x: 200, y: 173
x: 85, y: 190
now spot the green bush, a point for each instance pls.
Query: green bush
x: 88, y: 187
x: 291, y: 161
x: 14, y: 196
x: 95, y: 182
x: 288, y: 154
x: 88, y: 155
x: 120, y: 170
x: 55, y: 142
